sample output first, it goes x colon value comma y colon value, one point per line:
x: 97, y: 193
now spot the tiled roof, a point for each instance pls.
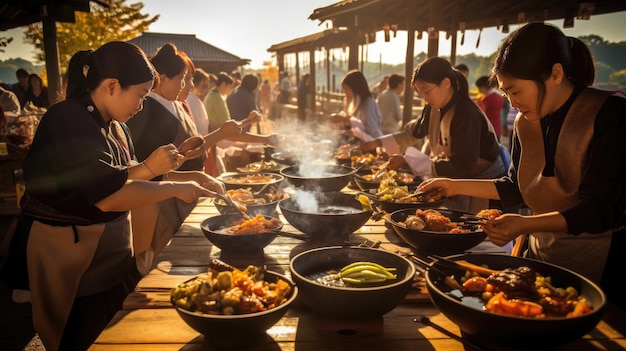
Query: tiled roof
x: 196, y: 49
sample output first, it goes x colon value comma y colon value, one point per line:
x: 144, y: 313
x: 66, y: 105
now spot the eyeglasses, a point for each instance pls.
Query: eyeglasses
x: 423, y: 94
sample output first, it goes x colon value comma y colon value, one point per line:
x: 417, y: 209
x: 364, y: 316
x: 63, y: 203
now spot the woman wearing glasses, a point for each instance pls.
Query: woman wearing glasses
x: 461, y: 143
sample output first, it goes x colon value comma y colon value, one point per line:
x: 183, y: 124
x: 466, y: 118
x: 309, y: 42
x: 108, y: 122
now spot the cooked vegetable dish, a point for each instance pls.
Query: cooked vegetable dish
x: 230, y: 292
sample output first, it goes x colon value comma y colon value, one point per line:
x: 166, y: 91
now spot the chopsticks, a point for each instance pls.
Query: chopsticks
x: 446, y: 262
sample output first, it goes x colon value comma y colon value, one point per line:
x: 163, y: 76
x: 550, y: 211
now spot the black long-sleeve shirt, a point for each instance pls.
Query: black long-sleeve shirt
x: 602, y: 191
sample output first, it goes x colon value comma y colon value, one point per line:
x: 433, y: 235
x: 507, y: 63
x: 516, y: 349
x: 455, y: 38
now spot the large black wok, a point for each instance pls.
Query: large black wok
x: 435, y: 243
x: 336, y: 217
x: 322, y: 178
x: 486, y: 328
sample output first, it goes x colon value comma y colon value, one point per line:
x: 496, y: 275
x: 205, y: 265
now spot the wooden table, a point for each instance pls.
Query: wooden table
x: 148, y: 321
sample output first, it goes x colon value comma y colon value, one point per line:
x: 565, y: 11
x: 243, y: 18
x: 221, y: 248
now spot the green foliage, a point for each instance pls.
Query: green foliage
x: 618, y: 77
x: 119, y: 22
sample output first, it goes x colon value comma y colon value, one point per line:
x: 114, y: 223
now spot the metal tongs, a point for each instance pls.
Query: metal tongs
x: 422, y: 196
x: 230, y: 202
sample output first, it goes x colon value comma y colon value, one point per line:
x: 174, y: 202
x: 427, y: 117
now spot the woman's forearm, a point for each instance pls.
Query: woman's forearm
x: 135, y: 194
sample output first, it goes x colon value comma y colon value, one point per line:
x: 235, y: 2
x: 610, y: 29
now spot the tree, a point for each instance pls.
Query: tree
x: 118, y: 22
x: 4, y: 42
x: 618, y: 77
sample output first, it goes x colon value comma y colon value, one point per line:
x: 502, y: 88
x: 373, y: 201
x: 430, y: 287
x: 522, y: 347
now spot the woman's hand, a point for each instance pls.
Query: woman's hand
x: 396, y: 161
x: 505, y: 228
x: 192, y: 147
x: 190, y: 191
x: 338, y: 118
x: 206, y: 181
x: 229, y: 129
x: 164, y: 159
x: 446, y: 185
x: 274, y: 140
x: 253, y: 117
x: 370, y: 146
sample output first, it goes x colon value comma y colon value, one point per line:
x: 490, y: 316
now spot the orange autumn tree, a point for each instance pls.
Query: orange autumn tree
x: 120, y: 21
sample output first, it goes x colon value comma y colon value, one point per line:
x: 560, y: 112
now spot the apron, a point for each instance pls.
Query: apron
x: 440, y: 143
x: 155, y: 224
x: 547, y: 194
x: 60, y: 269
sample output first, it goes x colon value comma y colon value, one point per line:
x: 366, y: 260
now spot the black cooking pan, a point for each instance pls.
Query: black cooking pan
x: 253, y: 242
x: 338, y: 215
x: 330, y: 178
x: 436, y: 243
x: 494, y: 331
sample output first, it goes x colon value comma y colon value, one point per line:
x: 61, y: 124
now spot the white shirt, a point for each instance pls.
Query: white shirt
x: 199, y: 113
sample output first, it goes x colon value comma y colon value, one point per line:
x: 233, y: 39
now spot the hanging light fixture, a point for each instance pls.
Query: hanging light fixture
x: 568, y: 22
x: 505, y: 28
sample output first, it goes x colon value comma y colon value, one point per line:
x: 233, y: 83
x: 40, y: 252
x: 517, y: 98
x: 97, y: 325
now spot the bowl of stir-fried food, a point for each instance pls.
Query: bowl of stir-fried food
x: 515, y: 302
x: 233, y: 233
x: 264, y: 203
x: 436, y: 231
x: 229, y: 316
x: 390, y: 195
x: 253, y: 181
x: 373, y: 180
x: 351, y: 282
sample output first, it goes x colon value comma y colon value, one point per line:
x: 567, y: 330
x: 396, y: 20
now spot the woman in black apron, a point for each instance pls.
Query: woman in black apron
x: 70, y: 255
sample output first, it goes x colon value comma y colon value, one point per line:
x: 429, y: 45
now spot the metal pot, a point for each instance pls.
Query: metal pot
x: 327, y: 224
x: 332, y: 178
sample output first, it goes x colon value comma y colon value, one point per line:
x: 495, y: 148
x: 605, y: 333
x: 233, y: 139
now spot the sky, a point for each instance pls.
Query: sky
x: 247, y: 28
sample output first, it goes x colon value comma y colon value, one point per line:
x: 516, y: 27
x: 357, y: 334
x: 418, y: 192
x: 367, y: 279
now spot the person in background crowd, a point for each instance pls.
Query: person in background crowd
x: 361, y: 112
x: 265, y: 93
x: 491, y: 102
x: 72, y: 244
x: 215, y: 103
x: 219, y: 114
x: 303, y: 96
x: 164, y: 120
x: 202, y: 85
x: 285, y: 88
x: 21, y: 86
x: 37, y: 92
x: 568, y: 160
x: 463, y: 69
x: 241, y: 102
x: 461, y: 143
x: 381, y: 86
x: 390, y: 104
x: 9, y: 101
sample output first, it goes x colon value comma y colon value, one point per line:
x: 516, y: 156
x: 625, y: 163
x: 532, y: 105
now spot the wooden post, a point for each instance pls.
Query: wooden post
x: 407, y: 114
x: 312, y: 83
x: 353, y: 55
x: 51, y: 52
x: 433, y: 31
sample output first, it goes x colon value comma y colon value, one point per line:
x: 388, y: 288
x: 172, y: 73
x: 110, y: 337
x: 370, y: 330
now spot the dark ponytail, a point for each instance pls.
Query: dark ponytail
x: 123, y: 61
